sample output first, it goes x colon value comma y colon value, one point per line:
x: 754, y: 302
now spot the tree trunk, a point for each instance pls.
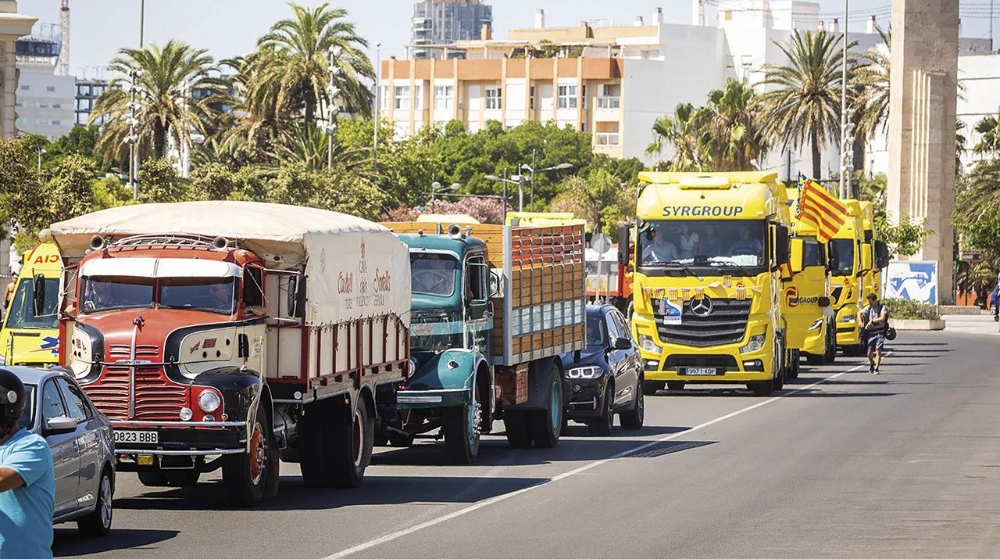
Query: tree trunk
x: 310, y: 110
x: 159, y: 139
x: 816, y: 158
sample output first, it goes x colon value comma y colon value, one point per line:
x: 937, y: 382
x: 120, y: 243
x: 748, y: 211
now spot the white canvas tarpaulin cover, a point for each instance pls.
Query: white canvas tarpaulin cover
x: 356, y: 268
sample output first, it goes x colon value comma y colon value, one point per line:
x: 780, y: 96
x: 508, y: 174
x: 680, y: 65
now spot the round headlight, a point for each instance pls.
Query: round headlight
x: 186, y: 414
x: 209, y: 401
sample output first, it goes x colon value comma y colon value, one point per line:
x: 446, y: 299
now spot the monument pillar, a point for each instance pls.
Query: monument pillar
x: 922, y: 104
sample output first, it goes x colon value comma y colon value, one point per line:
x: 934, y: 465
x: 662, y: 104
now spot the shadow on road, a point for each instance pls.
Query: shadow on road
x: 821, y: 394
x: 68, y: 541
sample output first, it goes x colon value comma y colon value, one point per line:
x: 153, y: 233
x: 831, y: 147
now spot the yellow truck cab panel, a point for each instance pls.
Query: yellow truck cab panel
x: 806, y: 297
x: 848, y: 276
x: 26, y: 338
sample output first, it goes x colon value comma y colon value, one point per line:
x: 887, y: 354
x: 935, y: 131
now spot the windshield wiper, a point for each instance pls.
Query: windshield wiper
x: 680, y: 264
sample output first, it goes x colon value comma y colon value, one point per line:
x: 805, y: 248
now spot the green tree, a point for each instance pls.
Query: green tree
x: 600, y: 198
x: 682, y: 133
x: 158, y: 182
x: 165, y: 108
x: 21, y: 197
x: 803, y: 108
x: 294, y: 62
x: 989, y: 135
x: 71, y: 189
x: 871, y: 104
x: 904, y: 238
x: 731, y: 128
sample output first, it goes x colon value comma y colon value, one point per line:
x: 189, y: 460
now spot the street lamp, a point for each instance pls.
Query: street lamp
x: 846, y: 122
x: 41, y: 152
x: 133, y: 137
x: 436, y: 188
x: 332, y: 109
x: 528, y: 168
x: 505, y: 182
x: 378, y: 93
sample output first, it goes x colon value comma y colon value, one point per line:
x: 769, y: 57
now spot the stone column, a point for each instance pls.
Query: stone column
x: 922, y: 105
x: 12, y: 26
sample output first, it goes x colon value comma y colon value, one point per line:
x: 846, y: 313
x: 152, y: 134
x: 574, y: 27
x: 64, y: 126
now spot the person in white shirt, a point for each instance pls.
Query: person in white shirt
x: 660, y: 249
x: 688, y: 242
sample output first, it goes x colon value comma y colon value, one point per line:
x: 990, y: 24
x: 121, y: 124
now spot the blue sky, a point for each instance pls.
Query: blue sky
x: 231, y: 27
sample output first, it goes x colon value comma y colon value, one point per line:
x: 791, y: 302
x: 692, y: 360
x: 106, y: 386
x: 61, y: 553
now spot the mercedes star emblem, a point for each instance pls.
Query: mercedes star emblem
x: 701, y: 307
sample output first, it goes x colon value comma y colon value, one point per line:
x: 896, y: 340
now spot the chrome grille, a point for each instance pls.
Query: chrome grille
x: 726, y: 324
x: 156, y: 399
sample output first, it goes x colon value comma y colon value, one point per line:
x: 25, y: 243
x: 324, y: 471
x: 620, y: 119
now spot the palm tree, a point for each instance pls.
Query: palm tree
x: 732, y: 128
x: 804, y: 109
x: 164, y: 107
x: 290, y: 71
x: 680, y: 132
x: 989, y: 135
x: 872, y: 80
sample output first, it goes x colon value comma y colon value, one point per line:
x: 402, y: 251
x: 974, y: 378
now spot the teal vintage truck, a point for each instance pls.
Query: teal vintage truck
x: 492, y: 309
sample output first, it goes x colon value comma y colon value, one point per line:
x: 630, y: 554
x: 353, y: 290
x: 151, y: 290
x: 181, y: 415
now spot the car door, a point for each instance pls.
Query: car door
x: 88, y: 443
x: 631, y: 361
x: 618, y: 361
x: 65, y: 458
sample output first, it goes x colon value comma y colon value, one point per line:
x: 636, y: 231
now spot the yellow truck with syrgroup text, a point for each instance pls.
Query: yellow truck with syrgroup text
x: 707, y: 282
x: 30, y: 335
x: 847, y: 280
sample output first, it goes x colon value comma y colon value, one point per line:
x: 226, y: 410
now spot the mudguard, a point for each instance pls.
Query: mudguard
x: 444, y: 381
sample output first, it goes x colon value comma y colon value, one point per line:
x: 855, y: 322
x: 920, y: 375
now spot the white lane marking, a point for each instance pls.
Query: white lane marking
x: 494, y: 500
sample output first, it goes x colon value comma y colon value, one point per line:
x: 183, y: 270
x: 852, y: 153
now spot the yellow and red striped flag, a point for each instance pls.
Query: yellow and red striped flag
x: 822, y: 209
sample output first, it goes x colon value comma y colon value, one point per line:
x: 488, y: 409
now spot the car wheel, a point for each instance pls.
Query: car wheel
x: 651, y: 387
x: 633, y: 418
x: 97, y: 524
x: 602, y: 425
x: 675, y: 385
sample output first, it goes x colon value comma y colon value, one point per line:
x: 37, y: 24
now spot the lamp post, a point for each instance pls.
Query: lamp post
x: 436, y: 188
x: 846, y: 121
x: 378, y: 93
x: 332, y: 109
x: 133, y: 137
x: 505, y: 182
x: 41, y: 152
x: 531, y: 170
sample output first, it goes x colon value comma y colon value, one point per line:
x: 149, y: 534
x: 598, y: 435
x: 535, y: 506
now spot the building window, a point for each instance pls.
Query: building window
x: 56, y: 105
x: 56, y: 123
x: 493, y: 98
x: 25, y: 87
x: 402, y: 97
x: 43, y: 105
x: 567, y: 96
x: 444, y: 97
x: 584, y: 97
x: 531, y: 100
x: 50, y: 88
x: 418, y: 98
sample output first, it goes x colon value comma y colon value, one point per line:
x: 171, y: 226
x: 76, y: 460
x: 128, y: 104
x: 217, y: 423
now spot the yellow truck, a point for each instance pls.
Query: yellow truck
x: 874, y: 253
x: 707, y: 282
x: 806, y: 294
x: 848, y: 278
x: 30, y: 335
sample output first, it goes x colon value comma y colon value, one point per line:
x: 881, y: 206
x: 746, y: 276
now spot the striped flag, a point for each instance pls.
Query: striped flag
x: 822, y: 209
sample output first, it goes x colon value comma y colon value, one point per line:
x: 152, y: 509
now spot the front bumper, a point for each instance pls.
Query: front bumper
x: 185, y: 438
x: 848, y: 333
x: 584, y: 397
x: 425, y: 399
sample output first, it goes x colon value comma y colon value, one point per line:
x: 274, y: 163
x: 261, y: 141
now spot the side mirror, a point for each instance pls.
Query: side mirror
x: 38, y: 295
x: 824, y: 302
x: 61, y: 425
x: 881, y: 255
x: 798, y: 251
x: 297, y: 296
x: 622, y: 343
x: 866, y: 257
x: 496, y: 284
x: 834, y: 262
x: 623, y: 241
x: 781, y: 248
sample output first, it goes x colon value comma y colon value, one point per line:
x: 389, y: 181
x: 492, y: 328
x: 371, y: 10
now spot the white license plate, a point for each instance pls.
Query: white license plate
x: 141, y: 437
x: 701, y: 371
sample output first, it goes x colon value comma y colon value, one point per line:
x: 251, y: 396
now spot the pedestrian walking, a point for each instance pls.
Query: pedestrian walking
x: 874, y: 320
x: 27, y: 482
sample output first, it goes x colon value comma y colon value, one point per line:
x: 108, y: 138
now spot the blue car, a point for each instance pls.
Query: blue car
x: 605, y: 378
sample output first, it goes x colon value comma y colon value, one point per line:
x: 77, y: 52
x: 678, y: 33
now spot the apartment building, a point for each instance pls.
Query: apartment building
x: 443, y: 22
x: 45, y: 101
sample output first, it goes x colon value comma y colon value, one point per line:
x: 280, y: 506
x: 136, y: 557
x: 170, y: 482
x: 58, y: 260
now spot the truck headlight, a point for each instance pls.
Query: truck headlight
x: 756, y: 343
x: 209, y: 401
x: 648, y: 344
x: 816, y: 325
x: 584, y: 372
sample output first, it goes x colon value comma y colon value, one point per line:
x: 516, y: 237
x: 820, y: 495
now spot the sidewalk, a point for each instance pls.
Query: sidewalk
x: 971, y: 324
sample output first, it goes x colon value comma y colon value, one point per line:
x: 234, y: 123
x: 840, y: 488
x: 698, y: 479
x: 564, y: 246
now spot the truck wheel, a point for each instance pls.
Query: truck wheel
x: 831, y: 342
x: 814, y: 360
x: 516, y: 425
x: 602, y: 425
x: 462, y: 429
x: 633, y: 418
x: 764, y: 388
x: 794, y: 358
x: 675, y: 385
x: 351, y: 439
x: 244, y: 475
x: 650, y: 387
x: 546, y: 425
x: 313, y: 453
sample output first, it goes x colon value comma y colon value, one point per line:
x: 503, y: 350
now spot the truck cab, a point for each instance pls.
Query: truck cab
x: 707, y: 283
x: 847, y: 280
x: 30, y: 331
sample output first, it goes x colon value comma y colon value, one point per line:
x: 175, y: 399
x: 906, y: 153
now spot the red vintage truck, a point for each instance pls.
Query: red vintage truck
x: 231, y: 334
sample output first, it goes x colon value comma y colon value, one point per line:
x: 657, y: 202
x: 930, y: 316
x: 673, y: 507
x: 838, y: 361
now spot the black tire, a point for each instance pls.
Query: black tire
x: 97, y: 524
x: 546, y: 425
x: 516, y: 427
x: 763, y: 388
x: 244, y: 475
x: 153, y: 478
x: 814, y: 360
x: 313, y: 452
x: 778, y: 382
x: 831, y: 342
x: 633, y: 418
x: 182, y: 478
x: 675, y: 385
x: 651, y: 387
x: 463, y: 428
x: 351, y: 439
x: 795, y: 359
x: 602, y: 425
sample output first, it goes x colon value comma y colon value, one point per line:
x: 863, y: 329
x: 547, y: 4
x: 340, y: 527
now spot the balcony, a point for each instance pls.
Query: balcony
x: 606, y: 138
x: 613, y: 103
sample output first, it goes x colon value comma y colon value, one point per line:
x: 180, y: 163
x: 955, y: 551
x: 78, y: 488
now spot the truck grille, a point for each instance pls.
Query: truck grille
x: 125, y: 350
x: 156, y: 399
x: 726, y: 324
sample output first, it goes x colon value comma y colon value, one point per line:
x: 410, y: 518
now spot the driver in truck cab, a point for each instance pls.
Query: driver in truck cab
x: 660, y: 250
x: 745, y: 245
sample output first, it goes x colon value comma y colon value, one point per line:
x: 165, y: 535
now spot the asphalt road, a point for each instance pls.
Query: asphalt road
x: 840, y: 464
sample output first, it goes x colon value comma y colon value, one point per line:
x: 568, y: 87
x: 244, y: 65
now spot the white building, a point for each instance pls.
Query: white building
x: 46, y: 103
x: 978, y: 98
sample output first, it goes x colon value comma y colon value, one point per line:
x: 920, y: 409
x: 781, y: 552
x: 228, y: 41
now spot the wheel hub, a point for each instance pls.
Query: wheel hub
x: 258, y: 454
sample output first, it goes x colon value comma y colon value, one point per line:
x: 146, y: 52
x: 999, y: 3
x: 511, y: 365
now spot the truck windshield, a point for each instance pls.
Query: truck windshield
x: 205, y: 294
x: 98, y: 293
x: 22, y: 306
x: 845, y: 257
x: 703, y: 243
x: 433, y: 274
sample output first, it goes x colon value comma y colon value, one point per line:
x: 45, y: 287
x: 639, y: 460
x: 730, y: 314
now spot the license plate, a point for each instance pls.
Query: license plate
x: 701, y: 371
x: 141, y: 437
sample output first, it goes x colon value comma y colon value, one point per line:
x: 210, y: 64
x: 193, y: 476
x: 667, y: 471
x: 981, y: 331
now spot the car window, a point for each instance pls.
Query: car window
x: 27, y: 419
x: 76, y: 404
x: 595, y: 331
x: 623, y: 327
x: 613, y: 332
x: 52, y: 404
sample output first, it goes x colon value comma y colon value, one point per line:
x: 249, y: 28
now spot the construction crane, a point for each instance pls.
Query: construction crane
x: 63, y: 68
